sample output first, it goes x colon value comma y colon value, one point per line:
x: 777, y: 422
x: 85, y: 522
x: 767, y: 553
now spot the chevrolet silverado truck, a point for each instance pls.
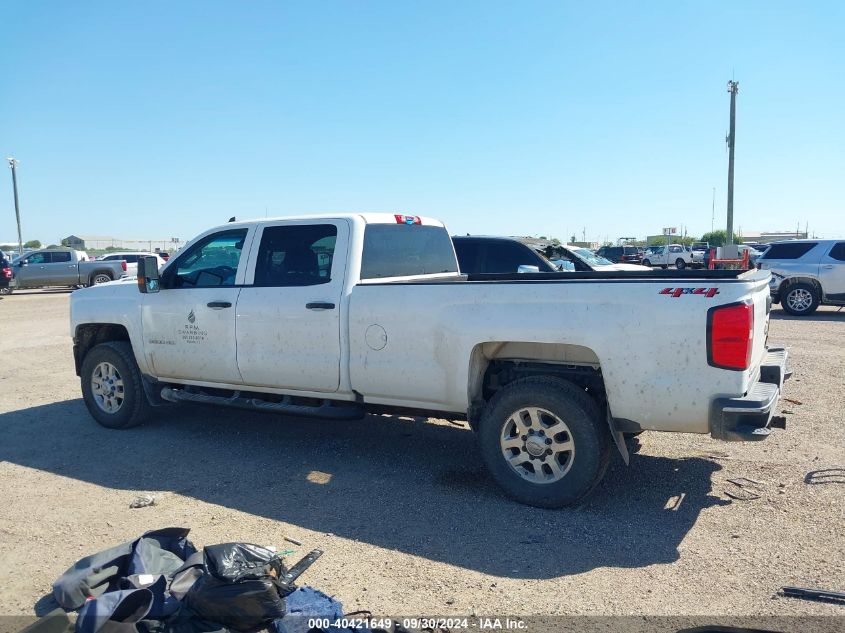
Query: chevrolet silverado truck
x: 62, y: 267
x: 340, y: 315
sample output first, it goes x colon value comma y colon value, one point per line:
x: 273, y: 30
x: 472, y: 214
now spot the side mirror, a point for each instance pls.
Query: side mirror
x: 525, y: 268
x: 148, y: 280
x: 23, y: 262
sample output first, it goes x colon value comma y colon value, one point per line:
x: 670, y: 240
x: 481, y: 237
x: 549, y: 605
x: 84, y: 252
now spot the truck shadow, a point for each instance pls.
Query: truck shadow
x: 397, y: 483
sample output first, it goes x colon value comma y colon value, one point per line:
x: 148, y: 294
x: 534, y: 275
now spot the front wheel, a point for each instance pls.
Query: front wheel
x: 800, y: 299
x: 112, y: 387
x: 646, y: 262
x: 680, y: 264
x: 543, y: 441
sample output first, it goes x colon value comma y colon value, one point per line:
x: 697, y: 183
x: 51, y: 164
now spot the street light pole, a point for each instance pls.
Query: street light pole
x: 733, y: 88
x: 13, y: 163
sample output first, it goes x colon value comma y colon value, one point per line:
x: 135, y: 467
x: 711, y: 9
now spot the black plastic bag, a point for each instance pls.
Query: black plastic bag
x: 239, y: 587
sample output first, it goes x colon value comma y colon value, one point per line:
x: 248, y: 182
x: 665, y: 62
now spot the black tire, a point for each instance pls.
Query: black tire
x: 6, y: 290
x: 646, y: 263
x: 135, y: 407
x: 586, y: 429
x: 99, y: 278
x: 788, y: 299
x: 680, y: 264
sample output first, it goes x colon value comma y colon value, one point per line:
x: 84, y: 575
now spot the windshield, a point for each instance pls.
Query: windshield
x: 590, y: 258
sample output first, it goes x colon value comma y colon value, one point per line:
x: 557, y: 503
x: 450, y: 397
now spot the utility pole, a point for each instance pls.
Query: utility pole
x: 13, y: 163
x: 713, y: 212
x: 733, y: 88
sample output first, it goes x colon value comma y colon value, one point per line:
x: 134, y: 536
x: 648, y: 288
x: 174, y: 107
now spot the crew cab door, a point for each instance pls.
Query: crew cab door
x: 832, y: 272
x: 289, y: 312
x: 189, y: 326
x: 30, y: 270
x: 63, y: 269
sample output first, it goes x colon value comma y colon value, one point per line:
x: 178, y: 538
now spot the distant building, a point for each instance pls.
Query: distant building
x: 765, y: 237
x: 103, y: 242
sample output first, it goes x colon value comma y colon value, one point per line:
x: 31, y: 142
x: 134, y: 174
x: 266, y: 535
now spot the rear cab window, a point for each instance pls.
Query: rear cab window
x: 406, y: 250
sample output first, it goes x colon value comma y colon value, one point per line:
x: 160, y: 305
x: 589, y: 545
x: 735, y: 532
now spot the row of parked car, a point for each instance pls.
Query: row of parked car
x: 65, y: 267
x: 805, y: 273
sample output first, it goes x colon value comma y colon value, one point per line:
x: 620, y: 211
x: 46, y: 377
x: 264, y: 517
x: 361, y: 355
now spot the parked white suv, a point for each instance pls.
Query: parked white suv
x: 806, y: 274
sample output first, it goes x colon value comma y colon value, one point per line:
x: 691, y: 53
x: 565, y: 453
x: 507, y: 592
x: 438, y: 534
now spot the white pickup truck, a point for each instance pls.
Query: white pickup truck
x: 674, y: 255
x: 340, y: 315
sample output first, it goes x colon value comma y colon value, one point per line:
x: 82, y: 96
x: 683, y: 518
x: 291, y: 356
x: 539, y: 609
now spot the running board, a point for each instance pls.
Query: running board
x: 327, y: 409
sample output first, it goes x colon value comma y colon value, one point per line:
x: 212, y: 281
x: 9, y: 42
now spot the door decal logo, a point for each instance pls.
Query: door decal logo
x: 191, y: 332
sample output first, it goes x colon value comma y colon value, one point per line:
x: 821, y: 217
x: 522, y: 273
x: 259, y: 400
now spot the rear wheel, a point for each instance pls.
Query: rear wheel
x: 544, y: 442
x: 800, y: 299
x: 6, y: 290
x: 680, y: 264
x: 100, y: 278
x: 112, y: 387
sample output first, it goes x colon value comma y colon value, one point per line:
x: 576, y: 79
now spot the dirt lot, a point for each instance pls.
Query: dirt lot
x: 408, y: 518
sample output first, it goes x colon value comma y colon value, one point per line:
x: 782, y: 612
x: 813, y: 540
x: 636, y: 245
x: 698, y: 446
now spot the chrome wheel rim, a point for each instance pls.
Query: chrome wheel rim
x: 101, y: 279
x: 537, y: 445
x: 107, y: 387
x: 799, y: 299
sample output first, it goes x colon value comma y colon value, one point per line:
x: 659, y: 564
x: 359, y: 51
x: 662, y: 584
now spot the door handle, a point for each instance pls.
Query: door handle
x: 219, y: 305
x: 320, y: 305
x: 828, y: 266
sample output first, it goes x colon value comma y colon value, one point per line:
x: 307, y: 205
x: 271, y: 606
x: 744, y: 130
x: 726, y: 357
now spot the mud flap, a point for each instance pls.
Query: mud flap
x: 618, y: 438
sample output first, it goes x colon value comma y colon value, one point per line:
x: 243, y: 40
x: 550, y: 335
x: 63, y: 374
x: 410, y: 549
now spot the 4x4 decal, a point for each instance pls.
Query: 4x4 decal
x: 677, y: 292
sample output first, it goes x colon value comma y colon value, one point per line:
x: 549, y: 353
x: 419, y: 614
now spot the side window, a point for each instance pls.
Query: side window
x: 295, y: 255
x: 507, y: 257
x: 39, y: 258
x: 675, y: 249
x: 789, y: 250
x: 130, y: 259
x: 58, y: 257
x: 209, y: 263
x: 467, y: 252
x: 838, y: 251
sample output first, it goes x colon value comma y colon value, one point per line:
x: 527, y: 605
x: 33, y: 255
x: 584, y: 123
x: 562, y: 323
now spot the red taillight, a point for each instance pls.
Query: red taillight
x: 123, y: 264
x: 730, y: 334
x: 407, y: 219
x: 7, y: 273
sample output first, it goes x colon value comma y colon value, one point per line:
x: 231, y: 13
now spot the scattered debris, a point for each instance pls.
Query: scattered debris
x: 821, y: 595
x: 792, y: 400
x: 825, y: 476
x: 746, y: 489
x: 143, y: 501
x: 293, y: 540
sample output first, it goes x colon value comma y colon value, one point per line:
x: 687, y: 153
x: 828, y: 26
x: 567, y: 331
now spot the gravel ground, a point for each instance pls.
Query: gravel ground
x: 408, y: 518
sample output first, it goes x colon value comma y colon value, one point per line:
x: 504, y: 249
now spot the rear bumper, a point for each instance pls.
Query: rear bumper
x: 750, y: 417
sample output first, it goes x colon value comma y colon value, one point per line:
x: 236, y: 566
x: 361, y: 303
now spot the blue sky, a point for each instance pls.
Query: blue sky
x: 160, y: 119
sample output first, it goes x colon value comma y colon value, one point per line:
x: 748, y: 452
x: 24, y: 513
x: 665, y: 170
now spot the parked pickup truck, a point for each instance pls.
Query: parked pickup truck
x: 339, y: 315
x: 62, y: 267
x: 673, y: 255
